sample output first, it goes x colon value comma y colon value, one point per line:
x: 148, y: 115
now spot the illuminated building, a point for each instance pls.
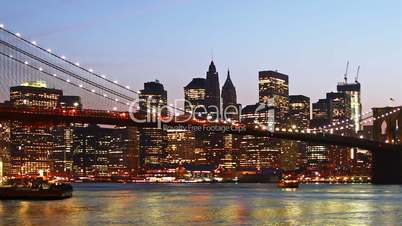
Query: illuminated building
x: 299, y: 112
x: 353, y: 91
x: 33, y: 144
x: 317, y: 155
x: 317, y: 158
x: 5, y: 148
x: 194, y: 94
x: 180, y: 146
x: 212, y: 91
x: 103, y: 152
x: 274, y: 91
x: 62, y: 155
x: 231, y: 110
x: 153, y: 140
x: 35, y: 94
x: 293, y: 153
x: 260, y: 152
x: 338, y: 107
x: 333, y: 110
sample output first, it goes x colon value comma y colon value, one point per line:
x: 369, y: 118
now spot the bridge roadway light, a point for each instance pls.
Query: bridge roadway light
x: 1, y: 25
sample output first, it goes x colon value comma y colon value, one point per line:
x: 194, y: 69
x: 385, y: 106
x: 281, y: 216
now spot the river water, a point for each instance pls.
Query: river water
x: 212, y: 204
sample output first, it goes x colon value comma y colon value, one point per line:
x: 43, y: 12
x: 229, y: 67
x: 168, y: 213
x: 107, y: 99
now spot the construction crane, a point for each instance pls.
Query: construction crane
x: 346, y: 72
x: 357, y: 74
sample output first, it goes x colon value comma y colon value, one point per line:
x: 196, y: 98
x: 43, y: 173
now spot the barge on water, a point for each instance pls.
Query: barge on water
x: 34, y: 189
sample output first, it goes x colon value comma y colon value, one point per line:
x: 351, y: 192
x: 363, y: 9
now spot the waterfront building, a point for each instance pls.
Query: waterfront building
x: 62, y: 154
x: 274, y: 91
x: 181, y: 146
x: 257, y: 152
x: 153, y: 141
x: 104, y: 152
x: 33, y: 144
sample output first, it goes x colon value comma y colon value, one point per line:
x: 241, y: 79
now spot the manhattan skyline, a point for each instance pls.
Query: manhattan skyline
x: 310, y: 42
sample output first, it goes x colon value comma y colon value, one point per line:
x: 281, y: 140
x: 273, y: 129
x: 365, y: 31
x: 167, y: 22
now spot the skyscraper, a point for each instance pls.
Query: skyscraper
x: 194, y: 94
x: 299, y: 111
x: 62, y: 155
x: 33, y: 144
x: 229, y: 100
x: 274, y: 91
x: 353, y: 91
x: 152, y: 140
x: 212, y: 91
x: 259, y: 152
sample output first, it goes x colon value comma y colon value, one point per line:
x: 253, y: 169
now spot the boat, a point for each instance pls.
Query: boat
x: 288, y: 183
x: 35, y: 189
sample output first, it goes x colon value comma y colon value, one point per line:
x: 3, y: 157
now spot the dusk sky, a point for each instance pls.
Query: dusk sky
x: 139, y: 41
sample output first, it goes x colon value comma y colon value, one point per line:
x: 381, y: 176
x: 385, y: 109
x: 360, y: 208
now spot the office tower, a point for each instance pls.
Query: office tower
x: 259, y: 152
x: 152, y: 140
x: 5, y: 149
x: 274, y: 91
x: 299, y: 112
x: 355, y: 105
x: 194, y: 94
x: 62, y: 155
x: 212, y: 91
x: 33, y: 144
x: 101, y: 152
x: 180, y: 146
x: 338, y: 107
x: 230, y: 108
x: 317, y: 155
x: 320, y: 115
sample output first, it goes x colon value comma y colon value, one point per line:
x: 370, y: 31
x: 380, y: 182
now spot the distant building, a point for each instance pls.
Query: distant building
x: 260, y: 152
x: 194, y: 94
x: 103, y: 152
x: 299, y: 111
x: 5, y: 149
x: 35, y: 94
x: 181, y: 146
x: 355, y: 105
x: 230, y: 107
x: 62, y: 154
x: 33, y: 145
x: 320, y: 115
x: 338, y: 107
x: 153, y: 141
x: 274, y: 91
x: 212, y: 91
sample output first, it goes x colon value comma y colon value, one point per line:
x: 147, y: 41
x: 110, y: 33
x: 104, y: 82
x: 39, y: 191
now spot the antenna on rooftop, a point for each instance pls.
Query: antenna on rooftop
x: 346, y: 72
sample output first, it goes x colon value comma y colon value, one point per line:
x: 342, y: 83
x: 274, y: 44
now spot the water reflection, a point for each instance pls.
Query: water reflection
x: 233, y: 204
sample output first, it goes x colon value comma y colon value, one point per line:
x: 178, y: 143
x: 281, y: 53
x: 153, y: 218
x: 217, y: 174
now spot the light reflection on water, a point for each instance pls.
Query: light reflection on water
x: 206, y: 204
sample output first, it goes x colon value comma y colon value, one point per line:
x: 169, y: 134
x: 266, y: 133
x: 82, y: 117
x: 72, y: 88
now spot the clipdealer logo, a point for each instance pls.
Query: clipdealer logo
x: 173, y: 117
